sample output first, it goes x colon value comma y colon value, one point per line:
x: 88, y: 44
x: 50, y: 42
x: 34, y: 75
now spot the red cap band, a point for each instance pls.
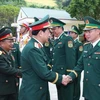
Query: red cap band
x: 41, y: 26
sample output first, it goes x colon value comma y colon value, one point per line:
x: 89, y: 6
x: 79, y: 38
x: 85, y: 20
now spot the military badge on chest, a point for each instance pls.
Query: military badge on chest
x: 81, y: 48
x: 70, y: 44
x: 46, y: 44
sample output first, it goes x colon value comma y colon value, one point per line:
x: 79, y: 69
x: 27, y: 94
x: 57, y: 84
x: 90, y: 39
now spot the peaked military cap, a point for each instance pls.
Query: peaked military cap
x: 75, y: 29
x: 56, y: 22
x: 91, y: 23
x: 43, y: 23
x: 25, y: 24
x: 5, y: 33
x: 36, y: 19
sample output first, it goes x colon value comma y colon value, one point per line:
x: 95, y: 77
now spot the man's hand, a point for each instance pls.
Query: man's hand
x: 66, y: 79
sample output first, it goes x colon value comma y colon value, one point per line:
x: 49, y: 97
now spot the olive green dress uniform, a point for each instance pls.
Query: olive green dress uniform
x: 34, y: 70
x: 90, y: 63
x: 78, y: 46
x: 63, y: 60
x: 35, y: 73
x: 8, y: 73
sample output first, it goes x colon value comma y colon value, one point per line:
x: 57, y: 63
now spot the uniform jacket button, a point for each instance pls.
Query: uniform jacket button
x: 96, y: 57
x: 40, y: 88
x: 89, y: 56
x: 61, y: 67
x: 6, y: 81
x: 87, y: 72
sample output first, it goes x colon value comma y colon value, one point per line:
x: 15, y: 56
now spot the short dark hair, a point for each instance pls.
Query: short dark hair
x: 35, y: 32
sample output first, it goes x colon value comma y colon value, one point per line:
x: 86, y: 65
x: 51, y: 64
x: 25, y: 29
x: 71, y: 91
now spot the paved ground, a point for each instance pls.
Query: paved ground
x: 53, y: 91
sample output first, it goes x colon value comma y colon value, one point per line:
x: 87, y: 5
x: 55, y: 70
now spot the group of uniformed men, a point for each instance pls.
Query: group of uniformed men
x: 49, y: 54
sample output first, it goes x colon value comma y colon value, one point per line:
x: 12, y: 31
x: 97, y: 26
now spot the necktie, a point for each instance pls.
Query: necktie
x: 90, y: 47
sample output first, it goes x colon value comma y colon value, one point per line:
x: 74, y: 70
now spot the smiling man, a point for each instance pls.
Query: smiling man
x: 90, y: 61
x: 8, y: 73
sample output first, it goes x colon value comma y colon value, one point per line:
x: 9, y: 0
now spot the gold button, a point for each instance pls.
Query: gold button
x: 40, y: 88
x: 6, y: 81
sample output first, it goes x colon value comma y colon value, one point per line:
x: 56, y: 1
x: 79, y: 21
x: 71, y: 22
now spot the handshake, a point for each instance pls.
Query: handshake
x: 66, y: 79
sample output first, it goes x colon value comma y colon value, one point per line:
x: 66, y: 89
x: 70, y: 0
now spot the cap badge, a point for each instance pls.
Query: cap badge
x: 87, y: 21
x: 51, y: 21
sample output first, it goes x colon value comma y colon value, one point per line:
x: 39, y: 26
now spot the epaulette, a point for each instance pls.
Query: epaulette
x: 86, y: 43
x: 37, y: 45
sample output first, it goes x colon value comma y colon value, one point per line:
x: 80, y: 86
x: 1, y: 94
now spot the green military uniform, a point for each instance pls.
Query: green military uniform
x: 63, y: 60
x: 90, y: 63
x: 34, y: 68
x: 78, y: 51
x: 8, y: 73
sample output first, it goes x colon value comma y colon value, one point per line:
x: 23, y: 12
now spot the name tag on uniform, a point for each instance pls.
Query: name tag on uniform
x: 85, y: 51
x: 97, y: 53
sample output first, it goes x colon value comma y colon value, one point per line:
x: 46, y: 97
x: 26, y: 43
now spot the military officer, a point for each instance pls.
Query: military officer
x: 8, y: 73
x: 34, y: 65
x: 74, y: 33
x: 63, y: 59
x: 90, y: 61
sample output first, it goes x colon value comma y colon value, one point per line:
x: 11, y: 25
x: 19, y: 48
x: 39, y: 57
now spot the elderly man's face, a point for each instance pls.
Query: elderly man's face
x: 7, y: 44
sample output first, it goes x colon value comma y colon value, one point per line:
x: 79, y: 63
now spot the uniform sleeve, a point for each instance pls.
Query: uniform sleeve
x: 39, y: 66
x: 77, y: 69
x: 70, y: 54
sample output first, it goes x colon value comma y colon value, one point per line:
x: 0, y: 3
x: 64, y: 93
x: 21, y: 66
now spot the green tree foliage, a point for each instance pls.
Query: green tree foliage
x: 81, y: 8
x: 7, y: 14
x: 18, y: 3
x: 41, y: 6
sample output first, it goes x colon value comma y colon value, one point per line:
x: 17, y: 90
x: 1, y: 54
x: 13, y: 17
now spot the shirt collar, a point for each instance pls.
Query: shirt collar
x: 60, y: 35
x: 94, y: 44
